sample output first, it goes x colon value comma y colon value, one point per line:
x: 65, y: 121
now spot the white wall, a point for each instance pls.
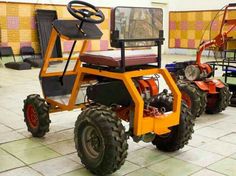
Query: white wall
x: 101, y: 3
x: 186, y: 5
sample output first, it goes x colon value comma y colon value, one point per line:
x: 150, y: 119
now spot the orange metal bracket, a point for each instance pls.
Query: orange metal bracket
x: 148, y: 124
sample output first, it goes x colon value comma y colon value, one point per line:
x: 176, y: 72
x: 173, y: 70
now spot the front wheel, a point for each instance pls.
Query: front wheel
x: 36, y: 113
x: 100, y: 140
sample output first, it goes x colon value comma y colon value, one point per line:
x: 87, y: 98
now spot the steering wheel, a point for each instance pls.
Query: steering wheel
x: 85, y: 14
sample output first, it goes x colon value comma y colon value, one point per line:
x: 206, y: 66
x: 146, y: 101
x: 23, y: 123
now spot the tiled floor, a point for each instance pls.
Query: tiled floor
x: 211, y: 152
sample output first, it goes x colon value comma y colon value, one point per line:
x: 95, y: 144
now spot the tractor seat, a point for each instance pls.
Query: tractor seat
x: 113, y: 58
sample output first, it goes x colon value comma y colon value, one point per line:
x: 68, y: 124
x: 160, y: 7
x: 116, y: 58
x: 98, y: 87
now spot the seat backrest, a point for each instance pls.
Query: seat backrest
x: 44, y: 19
x: 27, y: 50
x: 6, y: 51
x: 135, y: 23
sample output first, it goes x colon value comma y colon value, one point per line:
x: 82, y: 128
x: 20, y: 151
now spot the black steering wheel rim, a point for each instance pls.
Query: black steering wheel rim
x: 88, y: 18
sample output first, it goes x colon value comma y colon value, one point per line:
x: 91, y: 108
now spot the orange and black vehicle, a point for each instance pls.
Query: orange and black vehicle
x: 111, y: 87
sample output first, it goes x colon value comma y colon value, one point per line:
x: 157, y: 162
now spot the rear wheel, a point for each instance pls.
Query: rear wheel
x: 100, y: 140
x: 191, y: 95
x: 36, y: 113
x: 217, y: 103
x: 233, y: 100
x: 203, y: 99
x: 180, y: 134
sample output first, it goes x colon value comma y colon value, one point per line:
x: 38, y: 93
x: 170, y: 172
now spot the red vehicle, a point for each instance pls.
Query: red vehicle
x: 199, y: 90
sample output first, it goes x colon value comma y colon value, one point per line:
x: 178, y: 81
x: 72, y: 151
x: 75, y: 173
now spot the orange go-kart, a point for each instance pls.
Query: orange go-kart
x: 117, y: 87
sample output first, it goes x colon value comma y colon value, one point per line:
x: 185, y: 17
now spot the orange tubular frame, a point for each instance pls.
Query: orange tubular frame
x: 142, y: 125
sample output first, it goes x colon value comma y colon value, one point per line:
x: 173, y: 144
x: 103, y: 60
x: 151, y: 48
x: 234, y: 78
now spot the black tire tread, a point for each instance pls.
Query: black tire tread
x: 195, y: 95
x: 115, y: 134
x: 222, y: 103
x: 42, y: 109
x: 203, y: 98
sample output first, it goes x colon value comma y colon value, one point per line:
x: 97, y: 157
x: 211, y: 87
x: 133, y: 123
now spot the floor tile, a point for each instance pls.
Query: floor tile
x: 178, y: 152
x: 10, y: 136
x: 151, y: 146
x: 225, y: 125
x: 212, y: 132
x: 16, y: 146
x: 216, y: 137
x: 145, y: 156
x: 233, y: 156
x: 219, y: 147
x: 56, y: 166
x: 232, y: 118
x: 34, y: 155
x: 207, y: 119
x: 198, y: 140
x: 79, y: 172
x: 173, y: 167
x: 231, y: 138
x: 58, y: 137
x: 4, y: 129
x: 199, y: 157
x: 61, y: 126
x: 13, y: 120
x: 2, y: 152
x: 226, y: 166
x: 64, y: 147
x: 128, y: 167
x: 206, y: 172
x: 8, y: 161
x: 23, y: 171
x: 133, y: 146
x: 7, y: 103
x: 17, y: 109
x: 74, y: 157
x: 142, y: 172
x: 64, y: 117
x: 144, y: 144
x: 24, y: 132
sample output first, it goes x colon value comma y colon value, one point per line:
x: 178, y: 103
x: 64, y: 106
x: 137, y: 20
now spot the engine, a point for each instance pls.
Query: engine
x: 189, y: 70
x: 198, y: 72
x: 109, y: 93
x: 114, y: 93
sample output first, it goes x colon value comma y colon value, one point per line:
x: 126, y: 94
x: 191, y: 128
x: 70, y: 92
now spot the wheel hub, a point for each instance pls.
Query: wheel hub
x: 187, y: 99
x: 32, y: 116
x: 91, y: 142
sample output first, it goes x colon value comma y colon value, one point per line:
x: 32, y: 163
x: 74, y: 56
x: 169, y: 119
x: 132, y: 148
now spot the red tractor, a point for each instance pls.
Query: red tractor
x: 201, y: 92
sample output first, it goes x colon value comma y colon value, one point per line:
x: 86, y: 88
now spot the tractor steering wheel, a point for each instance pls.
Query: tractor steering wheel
x: 93, y: 15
